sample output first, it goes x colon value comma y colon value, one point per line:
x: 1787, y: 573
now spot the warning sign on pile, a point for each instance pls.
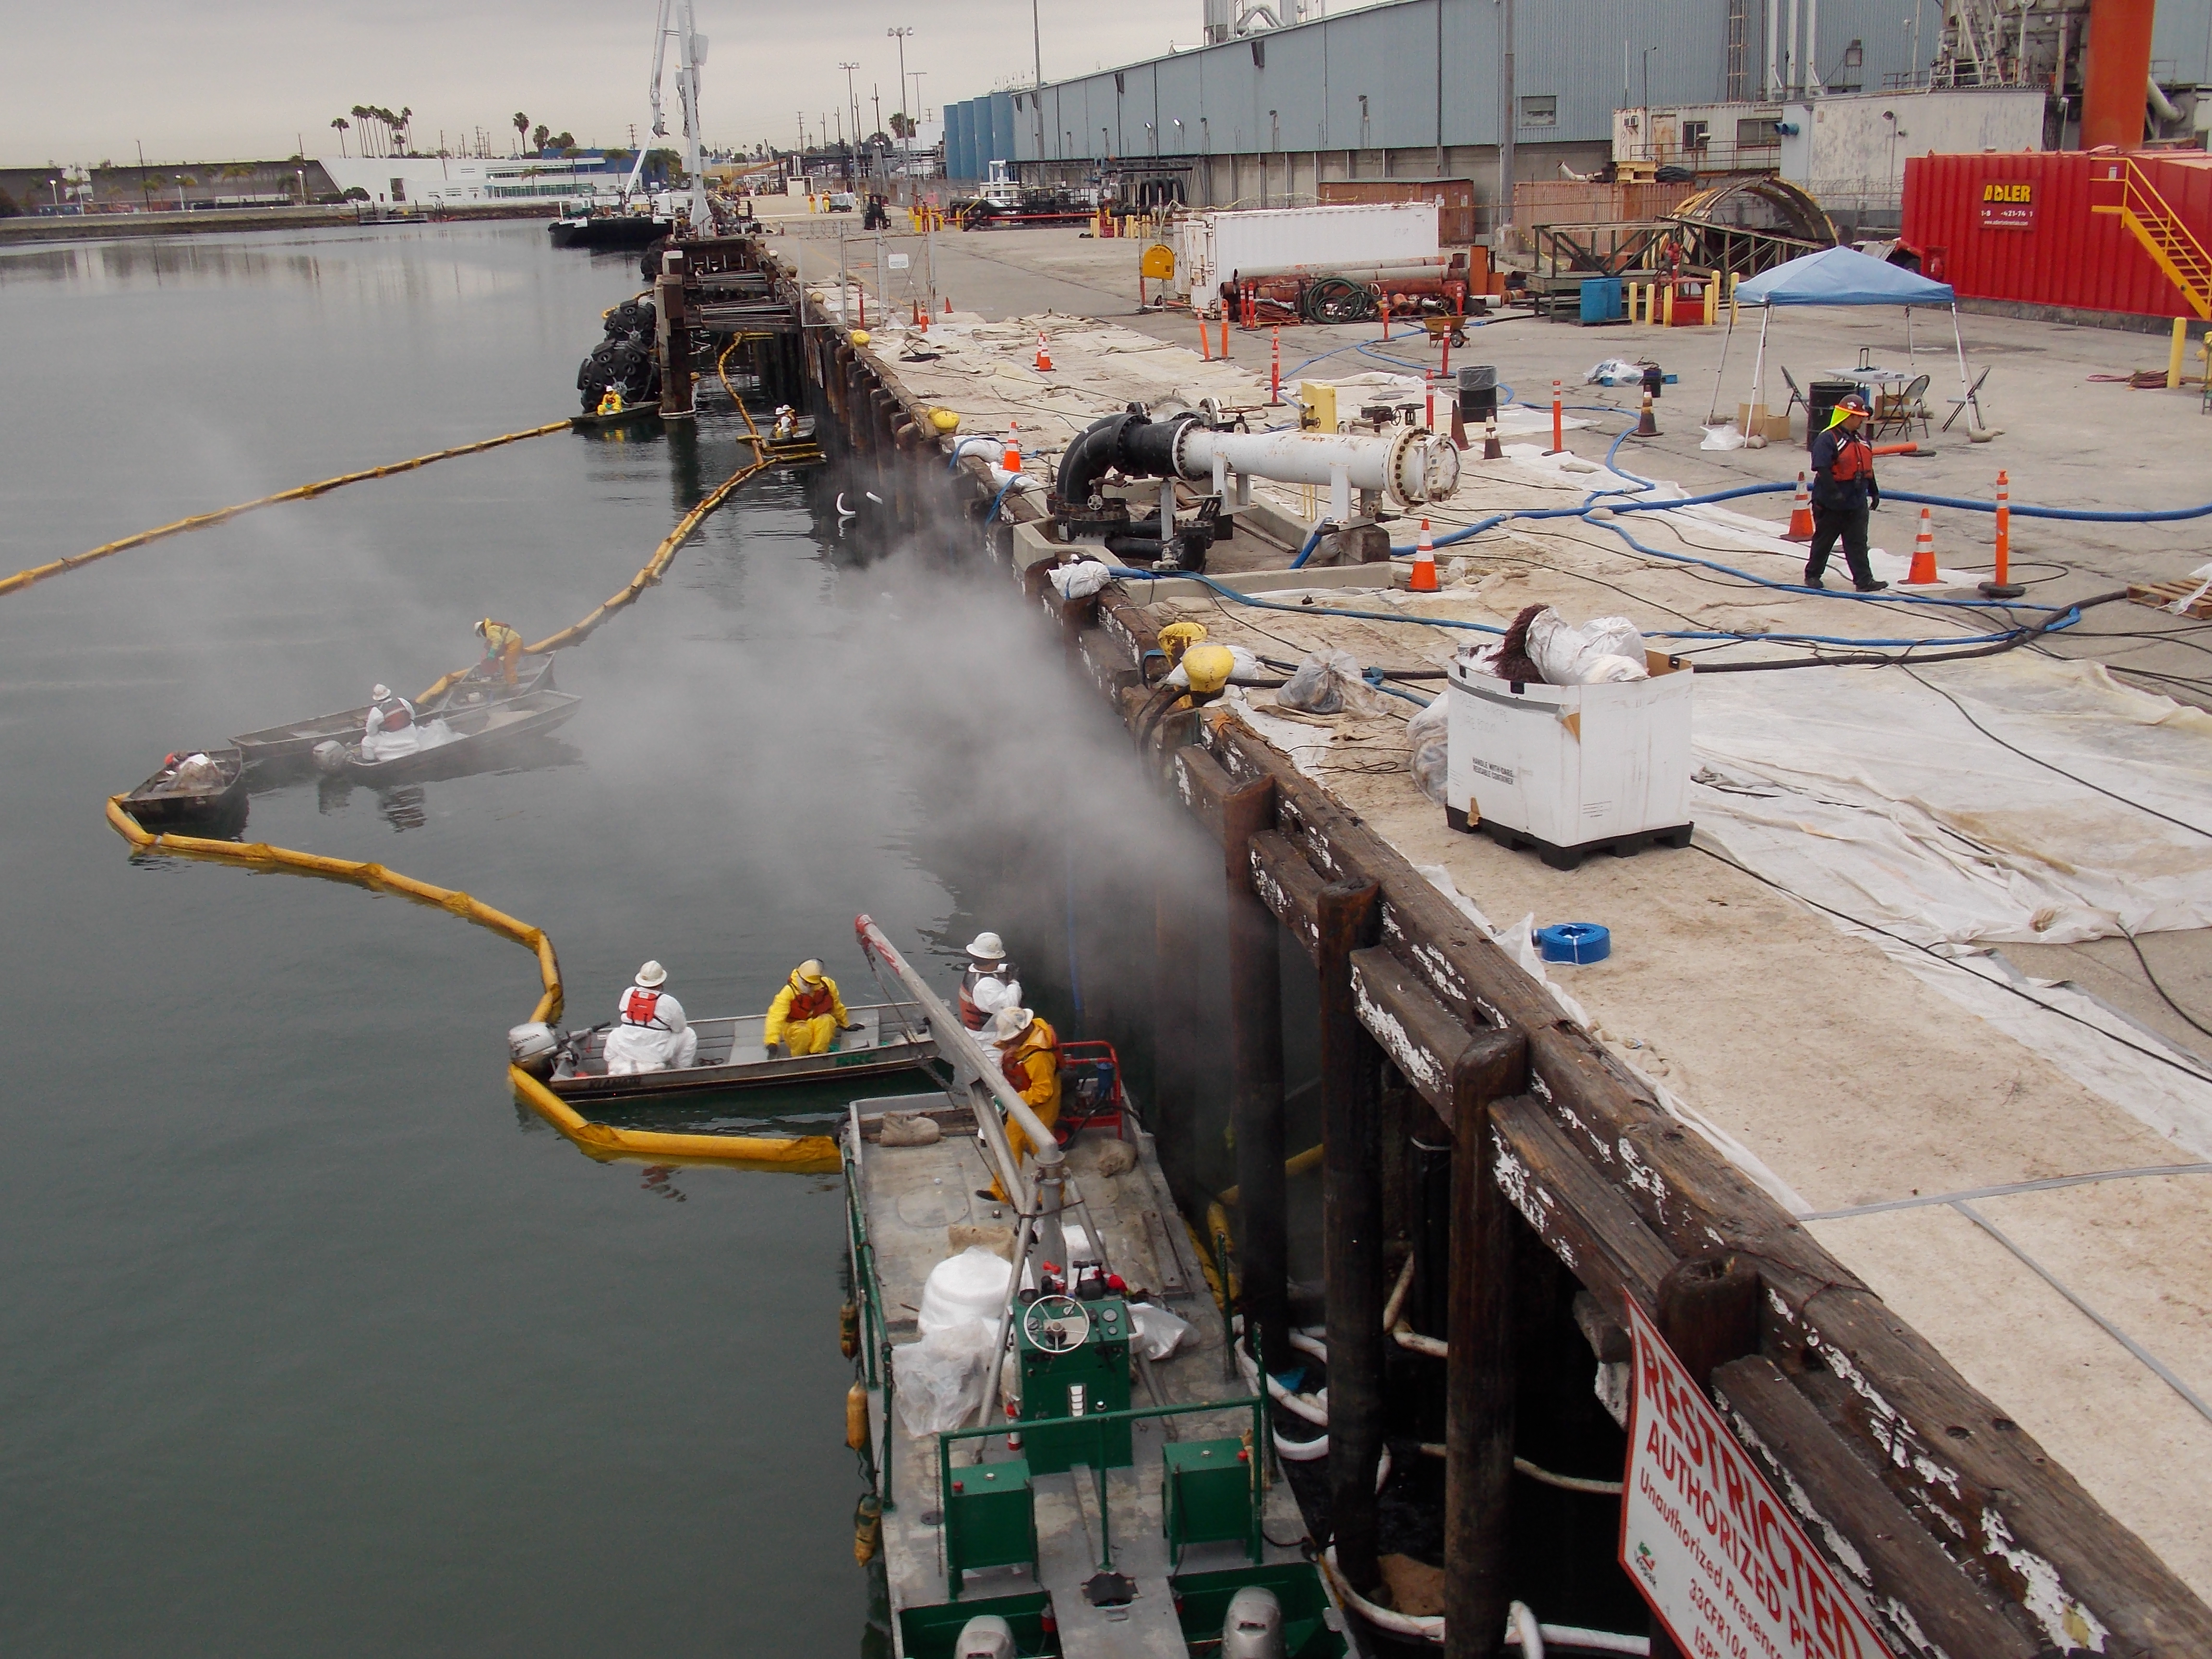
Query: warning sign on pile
x: 1721, y: 1560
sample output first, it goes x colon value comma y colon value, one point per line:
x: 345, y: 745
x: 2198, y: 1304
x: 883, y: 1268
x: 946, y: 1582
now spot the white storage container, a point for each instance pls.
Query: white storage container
x: 1212, y: 247
x: 1570, y: 769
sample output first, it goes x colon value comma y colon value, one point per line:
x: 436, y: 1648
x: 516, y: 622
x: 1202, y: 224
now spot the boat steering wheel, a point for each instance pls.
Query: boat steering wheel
x: 1056, y: 1324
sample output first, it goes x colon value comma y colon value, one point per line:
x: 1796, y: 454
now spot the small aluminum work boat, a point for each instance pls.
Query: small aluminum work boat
x: 168, y: 801
x: 295, y: 743
x: 892, y: 1037
x: 482, y: 734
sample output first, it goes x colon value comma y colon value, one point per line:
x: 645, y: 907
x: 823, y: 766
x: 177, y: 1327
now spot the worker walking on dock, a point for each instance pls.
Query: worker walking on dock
x: 807, y: 1012
x: 502, y: 649
x: 1029, y: 1056
x: 1845, y: 491
x: 650, y: 1032
x: 989, y: 984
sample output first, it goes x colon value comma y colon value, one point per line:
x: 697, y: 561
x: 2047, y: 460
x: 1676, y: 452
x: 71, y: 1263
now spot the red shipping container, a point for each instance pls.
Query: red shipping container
x: 2019, y: 227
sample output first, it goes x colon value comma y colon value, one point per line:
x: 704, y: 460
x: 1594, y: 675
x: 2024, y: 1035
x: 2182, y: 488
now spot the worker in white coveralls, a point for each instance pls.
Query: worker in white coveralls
x: 393, y: 727
x: 651, y: 1034
x: 988, y: 984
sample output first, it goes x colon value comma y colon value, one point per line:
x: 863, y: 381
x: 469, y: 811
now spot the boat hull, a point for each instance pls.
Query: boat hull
x: 484, y: 735
x: 608, y: 231
x: 218, y: 808
x: 892, y: 1039
x: 294, y: 744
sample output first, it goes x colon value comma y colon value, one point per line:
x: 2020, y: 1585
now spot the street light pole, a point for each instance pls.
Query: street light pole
x: 907, y: 139
x: 852, y: 99
x: 1036, y: 96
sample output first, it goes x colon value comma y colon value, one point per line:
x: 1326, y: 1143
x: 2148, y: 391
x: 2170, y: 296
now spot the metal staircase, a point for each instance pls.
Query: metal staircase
x: 2130, y: 194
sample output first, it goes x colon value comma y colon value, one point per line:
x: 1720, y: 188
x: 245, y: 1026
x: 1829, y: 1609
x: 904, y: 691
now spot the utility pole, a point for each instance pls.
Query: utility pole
x: 1507, y: 117
x: 145, y: 196
x: 853, y: 101
x: 906, y: 109
x: 1036, y: 95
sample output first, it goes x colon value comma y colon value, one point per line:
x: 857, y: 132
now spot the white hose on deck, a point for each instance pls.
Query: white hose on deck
x: 1522, y: 1629
x: 1313, y: 1346
x: 1316, y: 1412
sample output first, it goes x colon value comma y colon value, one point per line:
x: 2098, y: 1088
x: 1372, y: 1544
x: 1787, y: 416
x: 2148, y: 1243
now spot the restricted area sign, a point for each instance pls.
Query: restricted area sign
x: 1722, y: 1561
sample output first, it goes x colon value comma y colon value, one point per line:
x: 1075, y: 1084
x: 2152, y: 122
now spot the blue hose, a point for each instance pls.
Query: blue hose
x: 1312, y: 542
x: 2083, y: 515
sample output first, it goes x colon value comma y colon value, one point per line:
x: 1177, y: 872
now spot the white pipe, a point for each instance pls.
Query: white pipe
x: 1813, y: 86
x: 1313, y: 1412
x: 1521, y: 1626
x: 1313, y: 1346
x: 1773, y: 53
x: 1414, y: 1342
x: 1409, y: 466
x: 2161, y: 103
x: 1522, y: 1629
x: 1396, y: 1305
x: 1793, y: 66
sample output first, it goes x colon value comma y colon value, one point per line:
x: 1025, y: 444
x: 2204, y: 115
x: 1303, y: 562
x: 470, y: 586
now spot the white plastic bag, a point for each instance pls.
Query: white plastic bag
x: 1158, y: 1331
x: 1429, y: 755
x: 1330, y: 683
x: 969, y: 1285
x: 1606, y: 648
x: 1249, y: 671
x: 940, y: 1379
x: 1723, y: 436
x: 1079, y: 581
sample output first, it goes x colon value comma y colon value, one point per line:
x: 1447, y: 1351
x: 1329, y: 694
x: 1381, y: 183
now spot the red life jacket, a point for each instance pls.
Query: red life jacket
x: 1854, y: 458
x: 971, y: 1015
x: 638, y: 1008
x: 1010, y: 1062
x: 397, y: 717
x: 812, y: 1002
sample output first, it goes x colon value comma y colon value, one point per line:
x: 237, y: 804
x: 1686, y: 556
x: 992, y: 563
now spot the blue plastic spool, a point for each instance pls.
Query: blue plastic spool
x: 1576, y: 942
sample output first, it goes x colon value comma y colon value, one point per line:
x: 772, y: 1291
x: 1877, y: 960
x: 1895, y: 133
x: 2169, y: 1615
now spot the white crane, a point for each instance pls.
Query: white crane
x: 690, y: 53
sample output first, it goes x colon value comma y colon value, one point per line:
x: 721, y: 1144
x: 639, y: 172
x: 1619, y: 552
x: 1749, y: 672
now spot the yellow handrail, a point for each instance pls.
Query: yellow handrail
x: 2173, y: 247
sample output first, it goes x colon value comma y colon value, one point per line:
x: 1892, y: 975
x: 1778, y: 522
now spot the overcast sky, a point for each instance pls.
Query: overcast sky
x: 233, y: 79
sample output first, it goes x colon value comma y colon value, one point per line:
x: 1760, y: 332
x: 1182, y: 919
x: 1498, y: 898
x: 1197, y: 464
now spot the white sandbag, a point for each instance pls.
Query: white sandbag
x: 1080, y: 581
x: 969, y: 1285
x: 1331, y: 683
x: 1602, y: 668
x: 1429, y: 753
x: 1569, y: 655
x: 941, y: 1378
x: 1158, y: 1331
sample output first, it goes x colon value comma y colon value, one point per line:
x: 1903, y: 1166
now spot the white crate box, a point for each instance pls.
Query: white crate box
x: 1570, y: 769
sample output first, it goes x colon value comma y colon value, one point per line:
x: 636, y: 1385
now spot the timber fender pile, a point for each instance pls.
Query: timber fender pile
x: 1965, y: 1537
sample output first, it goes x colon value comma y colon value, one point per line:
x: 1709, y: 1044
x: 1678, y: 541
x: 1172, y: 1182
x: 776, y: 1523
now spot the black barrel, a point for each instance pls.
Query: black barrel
x: 1821, y: 398
x: 1477, y: 391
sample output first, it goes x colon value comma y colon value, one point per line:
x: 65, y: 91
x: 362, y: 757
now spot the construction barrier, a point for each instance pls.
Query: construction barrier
x: 809, y: 1154
x: 304, y: 492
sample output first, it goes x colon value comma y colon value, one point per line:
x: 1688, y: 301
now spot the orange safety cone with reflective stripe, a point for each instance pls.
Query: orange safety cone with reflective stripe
x: 1922, y: 574
x: 1492, y: 449
x: 1424, y: 579
x: 1012, y: 460
x: 1801, y: 515
x: 1044, y: 355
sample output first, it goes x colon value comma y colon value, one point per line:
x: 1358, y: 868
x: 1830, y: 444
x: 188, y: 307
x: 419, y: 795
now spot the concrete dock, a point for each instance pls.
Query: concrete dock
x: 2006, y: 1139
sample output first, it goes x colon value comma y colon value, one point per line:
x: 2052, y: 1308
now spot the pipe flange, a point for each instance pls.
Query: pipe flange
x: 1421, y: 467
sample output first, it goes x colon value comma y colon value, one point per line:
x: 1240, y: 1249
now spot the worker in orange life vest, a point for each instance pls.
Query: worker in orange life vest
x: 650, y: 1032
x: 1029, y: 1058
x: 807, y: 1014
x: 390, y: 729
x: 989, y: 984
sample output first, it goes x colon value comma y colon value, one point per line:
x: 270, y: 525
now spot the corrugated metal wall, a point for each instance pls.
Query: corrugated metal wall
x: 2057, y: 252
x: 1369, y: 79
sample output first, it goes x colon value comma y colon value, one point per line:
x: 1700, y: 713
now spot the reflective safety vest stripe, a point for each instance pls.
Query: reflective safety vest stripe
x: 639, y: 1006
x: 811, y: 1003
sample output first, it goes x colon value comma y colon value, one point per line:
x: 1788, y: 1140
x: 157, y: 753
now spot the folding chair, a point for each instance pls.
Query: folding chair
x: 1972, y: 400
x: 1796, y: 396
x: 1897, y: 410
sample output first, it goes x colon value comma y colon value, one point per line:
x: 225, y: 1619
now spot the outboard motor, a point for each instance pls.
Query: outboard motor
x: 329, y: 756
x: 1253, y: 1627
x: 533, y: 1047
x: 989, y: 1636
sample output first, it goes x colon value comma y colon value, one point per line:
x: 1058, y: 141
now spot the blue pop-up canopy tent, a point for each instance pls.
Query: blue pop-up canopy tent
x: 1837, y: 276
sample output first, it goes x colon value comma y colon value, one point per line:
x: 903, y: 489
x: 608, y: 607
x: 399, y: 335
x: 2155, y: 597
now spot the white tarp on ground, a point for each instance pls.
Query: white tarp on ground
x: 1868, y: 791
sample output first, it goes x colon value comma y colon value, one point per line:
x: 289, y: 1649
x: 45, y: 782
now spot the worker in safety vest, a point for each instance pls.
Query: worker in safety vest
x: 1029, y: 1058
x: 1844, y: 491
x: 502, y: 649
x: 650, y: 1033
x: 610, y: 400
x: 988, y: 984
x: 807, y: 1014
x: 390, y: 728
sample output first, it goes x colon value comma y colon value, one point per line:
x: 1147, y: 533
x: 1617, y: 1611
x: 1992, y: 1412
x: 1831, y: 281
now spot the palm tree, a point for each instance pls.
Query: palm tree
x: 362, y: 113
x: 341, y: 124
x: 522, y: 130
x: 400, y: 125
x: 541, y: 136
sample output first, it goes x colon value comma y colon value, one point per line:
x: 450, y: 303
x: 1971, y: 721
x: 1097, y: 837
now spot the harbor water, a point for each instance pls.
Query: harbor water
x: 314, y: 1343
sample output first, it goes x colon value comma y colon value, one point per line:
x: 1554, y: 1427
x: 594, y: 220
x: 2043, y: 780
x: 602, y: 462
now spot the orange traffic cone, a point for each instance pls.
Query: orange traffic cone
x: 1044, y: 355
x: 1801, y: 515
x: 1424, y: 579
x: 1012, y: 460
x: 1922, y: 574
x: 1492, y: 449
x: 948, y: 305
x: 1647, y: 423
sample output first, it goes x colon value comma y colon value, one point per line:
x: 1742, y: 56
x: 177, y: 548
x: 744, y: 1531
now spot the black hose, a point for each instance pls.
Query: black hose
x: 1879, y: 659
x: 1089, y: 457
x: 1338, y: 300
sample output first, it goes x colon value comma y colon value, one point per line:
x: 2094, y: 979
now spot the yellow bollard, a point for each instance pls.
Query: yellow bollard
x: 1733, y: 278
x: 1713, y: 300
x: 2174, y: 354
x: 1667, y: 304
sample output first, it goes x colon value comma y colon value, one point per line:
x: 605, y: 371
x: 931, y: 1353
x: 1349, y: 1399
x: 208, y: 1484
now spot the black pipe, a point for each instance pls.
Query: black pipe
x: 1129, y: 442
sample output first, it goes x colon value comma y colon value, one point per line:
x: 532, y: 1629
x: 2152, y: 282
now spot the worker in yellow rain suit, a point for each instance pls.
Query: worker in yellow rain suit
x: 1029, y: 1056
x: 502, y: 648
x: 807, y: 1014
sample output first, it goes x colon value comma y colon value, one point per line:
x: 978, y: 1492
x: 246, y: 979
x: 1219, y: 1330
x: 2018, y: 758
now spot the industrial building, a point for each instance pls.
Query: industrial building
x: 1262, y: 116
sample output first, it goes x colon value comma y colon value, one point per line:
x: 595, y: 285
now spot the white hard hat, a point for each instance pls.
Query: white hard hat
x: 651, y: 975
x: 1009, y: 1023
x: 380, y: 693
x: 987, y: 947
x: 810, y: 971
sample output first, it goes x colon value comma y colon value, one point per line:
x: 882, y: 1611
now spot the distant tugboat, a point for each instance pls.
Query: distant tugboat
x: 589, y: 228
